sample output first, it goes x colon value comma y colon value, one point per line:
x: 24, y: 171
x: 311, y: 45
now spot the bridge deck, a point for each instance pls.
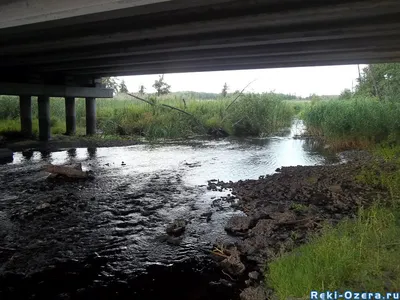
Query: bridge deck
x: 161, y: 36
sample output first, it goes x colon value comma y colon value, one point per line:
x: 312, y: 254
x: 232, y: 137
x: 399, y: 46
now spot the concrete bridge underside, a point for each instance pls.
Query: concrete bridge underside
x: 74, y: 42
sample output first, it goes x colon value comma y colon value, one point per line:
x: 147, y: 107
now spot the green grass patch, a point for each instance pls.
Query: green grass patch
x: 359, y: 254
x: 384, y: 176
x: 356, y: 255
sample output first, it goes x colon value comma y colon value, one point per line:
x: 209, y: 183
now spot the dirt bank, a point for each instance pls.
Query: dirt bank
x: 283, y: 209
x: 63, y: 142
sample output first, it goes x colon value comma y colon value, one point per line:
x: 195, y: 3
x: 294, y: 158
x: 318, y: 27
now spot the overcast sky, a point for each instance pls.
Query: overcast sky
x: 329, y: 80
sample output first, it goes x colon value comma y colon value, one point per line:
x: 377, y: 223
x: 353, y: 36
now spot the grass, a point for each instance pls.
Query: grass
x: 251, y: 115
x: 359, y: 254
x: 356, y: 255
x: 356, y: 123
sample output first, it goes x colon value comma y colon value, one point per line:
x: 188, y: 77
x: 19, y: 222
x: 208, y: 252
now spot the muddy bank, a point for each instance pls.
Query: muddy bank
x: 282, y: 210
x: 65, y: 142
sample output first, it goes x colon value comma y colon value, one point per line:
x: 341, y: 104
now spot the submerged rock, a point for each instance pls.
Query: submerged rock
x: 177, y: 228
x: 43, y: 206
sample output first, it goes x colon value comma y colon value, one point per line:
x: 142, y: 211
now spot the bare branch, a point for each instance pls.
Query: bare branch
x: 240, y: 94
x: 141, y: 99
x: 237, y: 97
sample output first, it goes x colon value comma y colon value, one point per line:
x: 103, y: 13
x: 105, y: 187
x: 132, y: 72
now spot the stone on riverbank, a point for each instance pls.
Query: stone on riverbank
x: 238, y: 225
x: 284, y: 209
x: 232, y: 264
x: 253, y: 293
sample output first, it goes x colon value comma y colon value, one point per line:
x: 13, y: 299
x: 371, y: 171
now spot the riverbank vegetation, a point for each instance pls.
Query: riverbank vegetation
x: 362, y: 118
x: 358, y: 254
x: 357, y: 122
x: 249, y: 115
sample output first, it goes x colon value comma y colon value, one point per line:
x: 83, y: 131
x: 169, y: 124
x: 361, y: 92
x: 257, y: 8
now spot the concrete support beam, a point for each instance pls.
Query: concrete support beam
x: 28, y: 89
x: 25, y: 111
x: 44, y: 118
x: 90, y: 116
x: 70, y: 116
x: 24, y: 12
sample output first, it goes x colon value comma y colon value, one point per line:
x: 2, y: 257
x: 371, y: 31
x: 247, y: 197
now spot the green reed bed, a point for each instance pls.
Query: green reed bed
x: 356, y: 122
x: 250, y: 115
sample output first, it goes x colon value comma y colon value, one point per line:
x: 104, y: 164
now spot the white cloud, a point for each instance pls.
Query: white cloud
x: 328, y: 80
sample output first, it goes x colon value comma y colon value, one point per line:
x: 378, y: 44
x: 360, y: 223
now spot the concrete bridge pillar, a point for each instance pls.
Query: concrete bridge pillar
x: 90, y: 116
x: 25, y: 112
x: 70, y: 116
x: 44, y: 118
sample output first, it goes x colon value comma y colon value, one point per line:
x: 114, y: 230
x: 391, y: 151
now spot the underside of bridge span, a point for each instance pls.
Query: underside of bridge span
x: 61, y: 48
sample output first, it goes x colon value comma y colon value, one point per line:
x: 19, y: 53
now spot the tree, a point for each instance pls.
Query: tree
x: 142, y: 90
x: 110, y: 83
x: 345, y: 94
x: 381, y: 81
x: 225, y: 90
x: 122, y: 87
x: 161, y: 86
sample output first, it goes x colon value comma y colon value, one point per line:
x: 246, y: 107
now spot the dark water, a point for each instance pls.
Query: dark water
x: 106, y: 238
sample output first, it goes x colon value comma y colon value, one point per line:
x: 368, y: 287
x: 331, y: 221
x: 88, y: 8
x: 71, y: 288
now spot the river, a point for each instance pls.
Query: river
x: 106, y: 238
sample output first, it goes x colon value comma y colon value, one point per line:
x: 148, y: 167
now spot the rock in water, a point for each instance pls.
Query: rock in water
x: 177, y: 228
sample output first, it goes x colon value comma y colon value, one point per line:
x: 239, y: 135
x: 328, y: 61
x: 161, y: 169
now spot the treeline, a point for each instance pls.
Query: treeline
x: 378, y: 81
x: 214, y: 96
x: 162, y: 88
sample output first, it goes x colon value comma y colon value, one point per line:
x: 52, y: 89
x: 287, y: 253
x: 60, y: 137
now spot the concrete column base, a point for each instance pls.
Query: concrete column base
x: 70, y: 116
x: 44, y: 118
x: 90, y: 116
x: 25, y: 109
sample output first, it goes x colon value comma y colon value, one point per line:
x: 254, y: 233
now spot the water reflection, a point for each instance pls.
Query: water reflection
x: 28, y: 154
x: 45, y: 155
x: 91, y: 153
x: 227, y: 159
x: 71, y: 153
